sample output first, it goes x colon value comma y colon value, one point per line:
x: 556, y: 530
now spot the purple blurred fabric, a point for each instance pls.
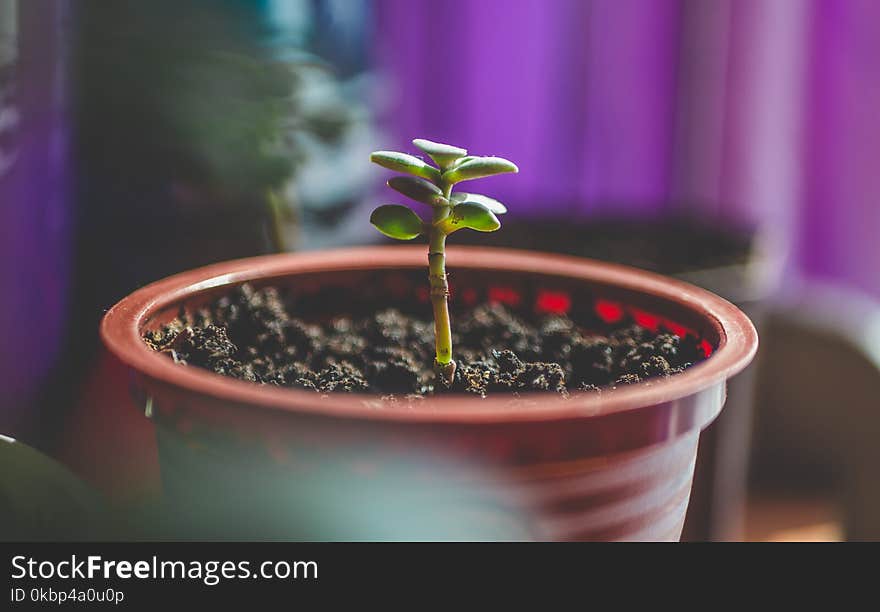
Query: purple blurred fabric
x: 840, y: 220
x: 761, y: 113
x: 35, y: 220
x: 580, y: 94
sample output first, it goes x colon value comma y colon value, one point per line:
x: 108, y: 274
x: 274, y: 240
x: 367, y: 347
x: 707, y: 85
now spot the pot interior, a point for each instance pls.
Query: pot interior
x: 321, y: 295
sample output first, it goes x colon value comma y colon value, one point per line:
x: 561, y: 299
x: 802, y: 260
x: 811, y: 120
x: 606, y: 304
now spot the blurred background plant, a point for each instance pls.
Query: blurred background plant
x: 190, y: 116
x: 193, y: 122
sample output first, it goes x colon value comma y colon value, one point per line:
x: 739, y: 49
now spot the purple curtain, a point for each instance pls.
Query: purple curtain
x: 840, y: 220
x: 751, y: 111
x: 34, y: 218
x: 580, y: 94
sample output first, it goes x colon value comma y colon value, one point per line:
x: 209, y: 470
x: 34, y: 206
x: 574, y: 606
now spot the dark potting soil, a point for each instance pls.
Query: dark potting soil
x: 252, y: 335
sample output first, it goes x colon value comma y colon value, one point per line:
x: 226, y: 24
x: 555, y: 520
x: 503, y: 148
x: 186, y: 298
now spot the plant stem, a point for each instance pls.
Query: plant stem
x: 444, y: 366
x: 276, y: 222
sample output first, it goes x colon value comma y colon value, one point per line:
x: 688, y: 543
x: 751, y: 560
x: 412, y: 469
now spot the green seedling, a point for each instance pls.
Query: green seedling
x: 432, y: 185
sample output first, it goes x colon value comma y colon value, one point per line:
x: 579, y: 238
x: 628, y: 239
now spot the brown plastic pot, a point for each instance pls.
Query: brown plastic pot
x: 243, y: 460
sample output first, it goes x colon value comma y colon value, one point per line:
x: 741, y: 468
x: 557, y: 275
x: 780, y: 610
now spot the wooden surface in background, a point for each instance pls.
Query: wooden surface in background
x: 772, y: 518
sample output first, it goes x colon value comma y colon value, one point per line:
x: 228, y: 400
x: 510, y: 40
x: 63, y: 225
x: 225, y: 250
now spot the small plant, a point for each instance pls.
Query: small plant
x: 432, y: 185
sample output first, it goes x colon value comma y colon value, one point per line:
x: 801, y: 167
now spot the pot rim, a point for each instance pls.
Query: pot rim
x: 738, y: 340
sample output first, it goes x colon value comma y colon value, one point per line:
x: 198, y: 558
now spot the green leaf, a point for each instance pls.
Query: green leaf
x: 471, y: 215
x: 492, y: 204
x: 438, y: 148
x: 478, y: 168
x: 462, y: 160
x: 396, y: 221
x: 418, y: 189
x: 401, y: 162
x: 442, y: 154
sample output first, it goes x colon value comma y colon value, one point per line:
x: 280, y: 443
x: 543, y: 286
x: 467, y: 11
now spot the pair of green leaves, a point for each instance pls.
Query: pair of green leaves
x: 429, y: 185
x: 423, y: 191
x: 455, y: 165
x: 400, y: 222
